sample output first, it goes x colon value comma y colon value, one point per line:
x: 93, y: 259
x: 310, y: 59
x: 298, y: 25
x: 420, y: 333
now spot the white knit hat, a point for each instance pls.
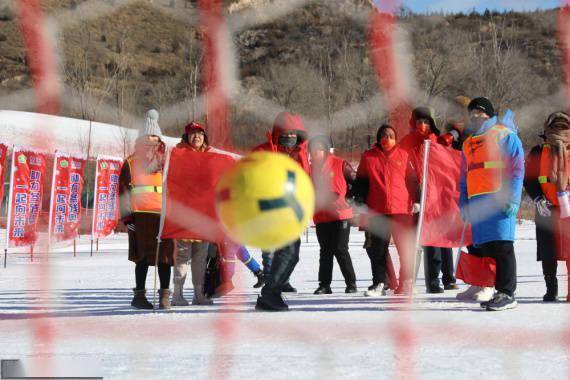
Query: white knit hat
x: 150, y: 124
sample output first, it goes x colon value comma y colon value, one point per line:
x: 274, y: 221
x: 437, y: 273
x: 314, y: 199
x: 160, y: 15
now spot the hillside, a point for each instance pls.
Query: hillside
x: 312, y: 60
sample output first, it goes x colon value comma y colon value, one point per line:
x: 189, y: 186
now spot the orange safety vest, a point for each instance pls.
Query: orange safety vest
x: 485, y: 164
x: 145, y: 189
x: 546, y: 184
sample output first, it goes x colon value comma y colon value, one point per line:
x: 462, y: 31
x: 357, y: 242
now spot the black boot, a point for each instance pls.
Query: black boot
x: 551, y: 289
x: 288, y: 288
x: 271, y: 301
x: 260, y: 279
x: 139, y: 300
x: 323, y: 290
x: 351, y: 288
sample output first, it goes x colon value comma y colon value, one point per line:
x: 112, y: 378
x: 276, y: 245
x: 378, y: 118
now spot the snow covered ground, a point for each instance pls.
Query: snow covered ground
x: 83, y: 312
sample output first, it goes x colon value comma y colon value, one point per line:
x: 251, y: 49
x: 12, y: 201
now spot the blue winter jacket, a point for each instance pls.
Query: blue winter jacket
x: 486, y: 212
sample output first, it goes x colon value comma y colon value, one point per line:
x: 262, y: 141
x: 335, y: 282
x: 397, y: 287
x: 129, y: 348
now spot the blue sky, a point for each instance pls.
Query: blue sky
x: 479, y: 5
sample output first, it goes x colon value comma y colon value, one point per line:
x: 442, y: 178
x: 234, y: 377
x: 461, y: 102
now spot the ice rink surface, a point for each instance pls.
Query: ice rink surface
x: 83, y: 312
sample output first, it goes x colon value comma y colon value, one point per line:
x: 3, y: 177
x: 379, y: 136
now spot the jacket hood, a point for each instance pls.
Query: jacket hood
x: 288, y: 122
x: 424, y: 113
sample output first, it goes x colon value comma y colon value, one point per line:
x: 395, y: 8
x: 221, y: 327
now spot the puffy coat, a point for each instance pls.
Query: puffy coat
x: 331, y: 188
x: 486, y: 212
x: 283, y: 123
x: 391, y: 179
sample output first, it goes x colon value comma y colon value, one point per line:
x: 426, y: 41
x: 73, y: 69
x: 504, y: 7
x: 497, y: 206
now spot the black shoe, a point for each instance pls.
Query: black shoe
x: 373, y: 286
x: 260, y: 279
x: 271, y: 302
x: 501, y: 302
x: 323, y: 290
x: 452, y: 286
x: 351, y: 289
x: 287, y: 288
x: 434, y: 290
x: 139, y: 300
x: 551, y: 289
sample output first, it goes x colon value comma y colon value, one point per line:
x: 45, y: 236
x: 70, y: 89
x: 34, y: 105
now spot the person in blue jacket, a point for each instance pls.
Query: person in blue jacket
x: 492, y: 174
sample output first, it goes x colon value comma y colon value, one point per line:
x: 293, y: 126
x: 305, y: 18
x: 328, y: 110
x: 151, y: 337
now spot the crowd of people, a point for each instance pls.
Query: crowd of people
x: 386, y: 184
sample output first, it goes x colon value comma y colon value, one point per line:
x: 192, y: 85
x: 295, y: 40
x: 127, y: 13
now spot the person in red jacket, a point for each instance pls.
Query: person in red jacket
x: 288, y: 137
x: 436, y: 259
x: 387, y: 180
x: 331, y: 177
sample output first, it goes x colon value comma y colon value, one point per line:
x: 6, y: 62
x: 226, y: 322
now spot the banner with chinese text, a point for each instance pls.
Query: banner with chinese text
x: 106, y: 205
x: 25, y: 199
x: 65, y: 203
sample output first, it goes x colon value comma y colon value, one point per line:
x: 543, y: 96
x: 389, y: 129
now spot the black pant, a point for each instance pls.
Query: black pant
x: 504, y: 254
x: 141, y: 270
x: 282, y: 265
x: 333, y: 238
x: 437, y: 259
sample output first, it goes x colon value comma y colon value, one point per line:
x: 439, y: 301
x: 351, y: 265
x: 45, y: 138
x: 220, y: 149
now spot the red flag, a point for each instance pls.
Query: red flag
x: 26, y: 193
x: 477, y: 271
x: 3, y: 155
x: 65, y: 203
x: 442, y: 224
x: 189, y: 209
x: 562, y: 235
x: 106, y: 198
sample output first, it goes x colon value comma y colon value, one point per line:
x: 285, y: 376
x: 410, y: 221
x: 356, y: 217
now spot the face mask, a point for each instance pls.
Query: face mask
x: 387, y: 144
x: 287, y: 141
x: 473, y: 125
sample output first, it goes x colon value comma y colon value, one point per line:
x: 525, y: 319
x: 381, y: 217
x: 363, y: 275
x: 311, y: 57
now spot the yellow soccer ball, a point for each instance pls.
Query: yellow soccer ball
x: 265, y: 201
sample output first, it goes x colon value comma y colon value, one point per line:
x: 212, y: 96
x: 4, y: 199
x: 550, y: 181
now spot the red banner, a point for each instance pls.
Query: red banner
x: 26, y: 193
x: 190, y: 210
x: 442, y: 224
x: 106, y: 199
x: 65, y: 203
x: 3, y: 154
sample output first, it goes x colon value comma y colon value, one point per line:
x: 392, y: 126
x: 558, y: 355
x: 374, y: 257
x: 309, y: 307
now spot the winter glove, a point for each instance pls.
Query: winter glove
x: 564, y: 204
x: 511, y: 210
x: 131, y: 227
x: 415, y: 208
x: 542, y: 206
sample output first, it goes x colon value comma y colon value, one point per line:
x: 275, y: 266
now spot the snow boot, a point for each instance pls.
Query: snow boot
x: 260, y: 279
x: 139, y: 300
x: 551, y: 289
x: 271, y: 300
x: 164, y: 299
x: 178, y: 296
x: 376, y: 291
x: 467, y: 295
x: 351, y: 288
x: 323, y: 290
x: 288, y: 288
x: 500, y: 302
x: 484, y: 295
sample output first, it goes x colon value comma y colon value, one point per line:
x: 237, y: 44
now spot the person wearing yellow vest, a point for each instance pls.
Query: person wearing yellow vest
x: 541, y: 183
x: 140, y: 190
x: 491, y: 182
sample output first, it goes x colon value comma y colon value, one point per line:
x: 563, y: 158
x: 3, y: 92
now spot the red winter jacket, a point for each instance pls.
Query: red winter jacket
x: 330, y: 189
x: 392, y: 181
x: 413, y: 143
x: 288, y: 122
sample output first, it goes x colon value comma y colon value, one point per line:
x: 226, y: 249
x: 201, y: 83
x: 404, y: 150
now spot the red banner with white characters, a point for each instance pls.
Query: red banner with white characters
x: 106, y: 199
x: 65, y: 203
x: 26, y: 193
x: 3, y: 154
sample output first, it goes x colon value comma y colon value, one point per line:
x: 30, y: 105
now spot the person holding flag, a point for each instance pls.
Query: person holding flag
x: 436, y: 259
x: 289, y: 137
x: 140, y: 191
x: 546, y: 183
x: 331, y: 177
x: 387, y: 180
x: 492, y: 172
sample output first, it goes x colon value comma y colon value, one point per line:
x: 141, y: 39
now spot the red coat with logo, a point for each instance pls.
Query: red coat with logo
x: 392, y: 181
x: 330, y: 189
x: 286, y: 122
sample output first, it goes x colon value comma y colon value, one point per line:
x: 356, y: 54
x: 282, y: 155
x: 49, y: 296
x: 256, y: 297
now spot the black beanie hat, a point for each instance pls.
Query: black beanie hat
x: 323, y: 139
x: 382, y: 128
x: 482, y: 104
x: 424, y: 113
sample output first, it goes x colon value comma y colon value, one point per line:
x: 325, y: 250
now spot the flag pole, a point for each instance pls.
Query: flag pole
x: 9, y: 205
x: 417, y: 250
x: 161, y: 225
x: 461, y: 241
x: 95, y: 195
x: 51, y: 200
